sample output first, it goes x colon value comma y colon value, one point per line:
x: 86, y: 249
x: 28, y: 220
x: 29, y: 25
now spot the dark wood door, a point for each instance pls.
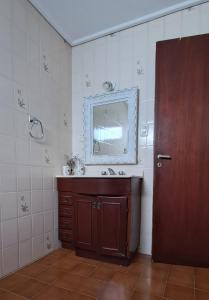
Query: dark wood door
x: 181, y: 184
x: 112, y: 224
x: 85, y: 222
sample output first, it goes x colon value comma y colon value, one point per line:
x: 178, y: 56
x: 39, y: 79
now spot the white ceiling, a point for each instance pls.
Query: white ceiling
x: 79, y: 21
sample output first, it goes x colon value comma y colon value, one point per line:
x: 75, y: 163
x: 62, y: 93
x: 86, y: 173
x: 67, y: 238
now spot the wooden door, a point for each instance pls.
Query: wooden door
x: 181, y: 184
x: 112, y: 225
x: 85, y: 222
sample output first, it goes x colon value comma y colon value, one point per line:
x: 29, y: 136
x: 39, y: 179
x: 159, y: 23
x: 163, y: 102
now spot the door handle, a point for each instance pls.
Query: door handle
x: 162, y: 156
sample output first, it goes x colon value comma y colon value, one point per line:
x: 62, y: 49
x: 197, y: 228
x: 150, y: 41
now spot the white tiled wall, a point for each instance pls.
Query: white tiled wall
x: 118, y: 58
x: 28, y: 197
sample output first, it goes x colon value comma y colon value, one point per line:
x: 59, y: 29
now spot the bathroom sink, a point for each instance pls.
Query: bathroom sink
x: 100, y: 176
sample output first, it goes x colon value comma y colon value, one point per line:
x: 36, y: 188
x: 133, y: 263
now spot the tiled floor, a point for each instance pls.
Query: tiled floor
x: 63, y: 276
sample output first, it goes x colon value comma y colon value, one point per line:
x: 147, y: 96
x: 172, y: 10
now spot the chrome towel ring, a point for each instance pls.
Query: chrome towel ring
x: 34, y: 122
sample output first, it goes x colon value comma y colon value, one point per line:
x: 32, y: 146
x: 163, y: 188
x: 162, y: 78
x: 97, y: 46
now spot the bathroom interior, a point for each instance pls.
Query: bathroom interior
x: 104, y: 142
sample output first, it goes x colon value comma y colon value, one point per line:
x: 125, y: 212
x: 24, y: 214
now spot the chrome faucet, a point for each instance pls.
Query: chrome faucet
x: 111, y: 171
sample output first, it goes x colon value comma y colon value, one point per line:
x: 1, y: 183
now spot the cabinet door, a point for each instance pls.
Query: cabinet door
x: 85, y: 222
x: 112, y: 225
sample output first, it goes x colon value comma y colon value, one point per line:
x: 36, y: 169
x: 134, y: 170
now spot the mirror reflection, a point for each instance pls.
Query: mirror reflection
x: 110, y: 128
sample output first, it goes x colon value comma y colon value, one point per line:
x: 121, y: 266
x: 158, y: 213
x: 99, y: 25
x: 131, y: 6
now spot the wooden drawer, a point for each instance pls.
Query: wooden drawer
x: 65, y: 211
x: 65, y: 199
x: 95, y: 186
x: 66, y: 223
x: 66, y: 235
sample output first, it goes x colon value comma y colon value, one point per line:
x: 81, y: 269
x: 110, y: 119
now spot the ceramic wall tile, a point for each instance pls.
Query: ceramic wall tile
x: 6, y: 95
x: 25, y: 228
x: 8, y: 203
x: 21, y: 157
x: 6, y: 63
x: 38, y: 247
x: 5, y: 33
x: 9, y: 233
x: 7, y: 149
x: 37, y: 201
x: 23, y: 178
x: 48, y: 200
x: 8, y: 178
x: 36, y: 178
x: 25, y: 252
x: 10, y: 261
x: 6, y: 8
x: 48, y: 242
x: 22, y: 151
x: 24, y: 203
x: 48, y: 221
x: 37, y: 224
x: 21, y: 125
x: 204, y: 18
x: 48, y: 178
x: 191, y: 21
x: 19, y: 15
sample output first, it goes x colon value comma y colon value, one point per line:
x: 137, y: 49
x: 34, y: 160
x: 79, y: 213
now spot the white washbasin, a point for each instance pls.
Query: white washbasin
x: 99, y: 176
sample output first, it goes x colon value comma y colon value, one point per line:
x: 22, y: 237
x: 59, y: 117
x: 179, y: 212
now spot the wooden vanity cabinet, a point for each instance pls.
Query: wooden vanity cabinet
x: 100, y: 217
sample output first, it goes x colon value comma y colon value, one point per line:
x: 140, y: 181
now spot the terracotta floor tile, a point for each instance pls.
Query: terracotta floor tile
x: 91, y: 287
x: 177, y: 292
x: 53, y: 257
x: 115, y: 267
x: 64, y: 276
x: 6, y: 295
x: 202, y: 282
x: 160, y: 271
x: 30, y: 289
x: 139, y: 296
x: 51, y: 293
x: 12, y: 281
x: 89, y: 261
x: 150, y: 286
x: 126, y: 280
x: 103, y: 273
x: 136, y: 268
x: 202, y: 278
x: 181, y: 275
x: 50, y: 275
x: 114, y: 291
x: 201, y: 295
x: 83, y: 269
x: 66, y: 263
x: 70, y: 282
x: 202, y: 271
x: 76, y: 296
x: 33, y: 270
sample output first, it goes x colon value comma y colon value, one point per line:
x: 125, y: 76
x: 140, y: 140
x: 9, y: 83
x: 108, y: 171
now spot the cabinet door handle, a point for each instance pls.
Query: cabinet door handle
x: 94, y: 204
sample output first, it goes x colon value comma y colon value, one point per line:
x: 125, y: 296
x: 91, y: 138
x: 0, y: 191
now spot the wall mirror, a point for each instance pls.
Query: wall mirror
x: 110, y: 128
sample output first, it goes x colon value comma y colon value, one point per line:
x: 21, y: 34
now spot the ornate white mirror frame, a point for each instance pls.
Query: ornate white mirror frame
x: 130, y: 96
